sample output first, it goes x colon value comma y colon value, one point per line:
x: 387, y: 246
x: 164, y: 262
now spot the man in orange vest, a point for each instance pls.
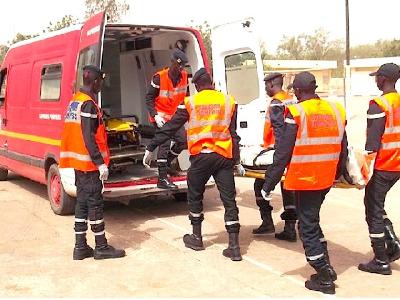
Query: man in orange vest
x: 167, y: 90
x: 214, y: 151
x: 383, y: 141
x: 84, y: 148
x: 273, y: 130
x: 314, y: 150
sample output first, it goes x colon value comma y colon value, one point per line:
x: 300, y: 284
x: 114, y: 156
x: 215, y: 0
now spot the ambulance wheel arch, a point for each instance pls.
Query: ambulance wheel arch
x: 61, y: 203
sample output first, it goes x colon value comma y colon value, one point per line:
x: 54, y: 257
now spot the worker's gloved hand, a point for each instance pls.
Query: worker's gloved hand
x: 266, y: 196
x: 159, y: 121
x: 147, y: 158
x: 103, y: 169
x: 240, y: 170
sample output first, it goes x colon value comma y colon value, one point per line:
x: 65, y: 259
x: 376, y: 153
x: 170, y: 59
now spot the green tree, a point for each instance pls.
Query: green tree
x: 3, y: 51
x: 66, y: 21
x: 291, y: 47
x: 21, y: 37
x: 114, y: 9
x: 205, y: 32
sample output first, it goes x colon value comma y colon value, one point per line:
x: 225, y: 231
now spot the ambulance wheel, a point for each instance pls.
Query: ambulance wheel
x: 61, y: 203
x: 3, y: 174
x: 181, y: 197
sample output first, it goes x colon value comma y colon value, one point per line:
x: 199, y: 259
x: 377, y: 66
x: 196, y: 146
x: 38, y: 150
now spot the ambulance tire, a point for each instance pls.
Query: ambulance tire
x: 61, y: 203
x: 3, y: 174
x: 180, y: 197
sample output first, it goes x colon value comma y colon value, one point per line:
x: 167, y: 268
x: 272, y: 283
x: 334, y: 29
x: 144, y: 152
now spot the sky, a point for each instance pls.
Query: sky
x: 369, y: 20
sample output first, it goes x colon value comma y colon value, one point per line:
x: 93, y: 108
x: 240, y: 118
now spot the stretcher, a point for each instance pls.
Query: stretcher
x: 256, y: 159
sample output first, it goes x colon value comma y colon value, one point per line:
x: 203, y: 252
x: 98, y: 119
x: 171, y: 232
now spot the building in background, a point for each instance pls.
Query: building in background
x: 322, y: 70
x: 361, y: 84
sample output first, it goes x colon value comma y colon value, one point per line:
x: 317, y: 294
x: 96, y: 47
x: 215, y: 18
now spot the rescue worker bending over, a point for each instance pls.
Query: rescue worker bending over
x: 314, y: 149
x: 273, y: 129
x: 383, y: 141
x: 84, y: 148
x: 168, y: 89
x: 214, y: 149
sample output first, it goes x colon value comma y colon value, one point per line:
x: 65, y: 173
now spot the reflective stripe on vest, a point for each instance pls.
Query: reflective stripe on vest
x: 268, y: 136
x: 169, y: 97
x: 208, y: 126
x: 314, y: 159
x: 388, y: 156
x: 73, y: 151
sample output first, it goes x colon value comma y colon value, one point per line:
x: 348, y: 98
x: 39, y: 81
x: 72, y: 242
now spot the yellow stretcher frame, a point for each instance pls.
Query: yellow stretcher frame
x: 261, y: 175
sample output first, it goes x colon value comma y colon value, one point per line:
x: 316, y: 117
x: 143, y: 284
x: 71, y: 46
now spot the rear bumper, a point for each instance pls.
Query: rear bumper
x: 145, y: 186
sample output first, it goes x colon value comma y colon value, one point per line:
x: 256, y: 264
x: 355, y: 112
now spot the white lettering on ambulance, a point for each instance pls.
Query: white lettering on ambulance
x: 93, y: 30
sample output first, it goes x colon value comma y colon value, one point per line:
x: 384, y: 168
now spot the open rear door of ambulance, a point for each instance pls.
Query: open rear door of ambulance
x: 91, y: 45
x: 238, y: 71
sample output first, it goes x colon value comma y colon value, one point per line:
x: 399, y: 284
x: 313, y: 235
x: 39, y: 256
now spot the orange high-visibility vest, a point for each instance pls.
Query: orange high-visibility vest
x: 285, y: 99
x: 169, y: 97
x: 388, y: 157
x: 210, y: 115
x: 321, y: 126
x: 73, y: 151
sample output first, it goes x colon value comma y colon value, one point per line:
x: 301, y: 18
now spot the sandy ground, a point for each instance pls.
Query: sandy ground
x: 36, y: 247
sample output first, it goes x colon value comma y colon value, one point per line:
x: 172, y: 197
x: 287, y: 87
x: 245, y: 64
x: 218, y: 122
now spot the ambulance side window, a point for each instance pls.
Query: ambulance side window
x: 3, y: 86
x: 50, y: 88
x: 241, y: 77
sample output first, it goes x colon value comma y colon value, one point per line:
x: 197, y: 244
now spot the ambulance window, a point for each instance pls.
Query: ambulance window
x: 86, y: 57
x: 241, y: 77
x: 50, y: 88
x: 3, y: 85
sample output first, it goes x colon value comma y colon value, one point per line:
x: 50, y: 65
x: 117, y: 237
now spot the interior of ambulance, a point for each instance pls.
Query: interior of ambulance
x: 131, y: 56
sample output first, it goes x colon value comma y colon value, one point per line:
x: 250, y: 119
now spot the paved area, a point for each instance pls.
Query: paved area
x: 36, y: 246
x: 36, y: 249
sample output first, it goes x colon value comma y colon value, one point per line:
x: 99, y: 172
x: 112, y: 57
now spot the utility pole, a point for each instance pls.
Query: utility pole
x: 347, y: 74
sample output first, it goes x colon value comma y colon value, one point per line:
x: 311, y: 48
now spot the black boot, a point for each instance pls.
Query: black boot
x: 163, y: 181
x: 104, y: 251
x: 267, y: 225
x: 81, y: 250
x: 326, y: 254
x: 392, y: 241
x: 322, y: 281
x: 380, y: 263
x: 233, y: 250
x: 288, y: 233
x: 194, y: 241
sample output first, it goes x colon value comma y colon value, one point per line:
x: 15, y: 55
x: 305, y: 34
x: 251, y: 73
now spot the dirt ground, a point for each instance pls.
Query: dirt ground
x: 36, y: 247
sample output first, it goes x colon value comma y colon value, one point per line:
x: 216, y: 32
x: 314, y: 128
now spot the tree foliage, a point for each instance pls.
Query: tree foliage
x: 66, y: 21
x: 114, y: 9
x: 205, y: 32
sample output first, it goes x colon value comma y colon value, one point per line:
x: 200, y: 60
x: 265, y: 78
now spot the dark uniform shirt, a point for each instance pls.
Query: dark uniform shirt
x: 154, y: 91
x: 179, y: 119
x: 376, y: 120
x: 283, y: 154
x: 276, y: 115
x: 89, y: 128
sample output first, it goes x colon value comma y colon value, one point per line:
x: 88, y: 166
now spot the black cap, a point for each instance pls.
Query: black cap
x: 179, y: 56
x: 304, y: 81
x: 389, y: 70
x: 94, y: 69
x: 200, y: 73
x: 272, y: 76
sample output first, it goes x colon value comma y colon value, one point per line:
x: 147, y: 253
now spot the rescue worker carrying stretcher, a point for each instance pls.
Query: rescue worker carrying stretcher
x: 383, y: 144
x: 167, y: 90
x: 273, y: 129
x: 313, y: 147
x: 214, y: 150
x: 84, y: 148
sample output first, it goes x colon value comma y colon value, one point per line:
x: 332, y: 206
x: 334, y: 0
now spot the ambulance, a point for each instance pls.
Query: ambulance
x: 39, y: 76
